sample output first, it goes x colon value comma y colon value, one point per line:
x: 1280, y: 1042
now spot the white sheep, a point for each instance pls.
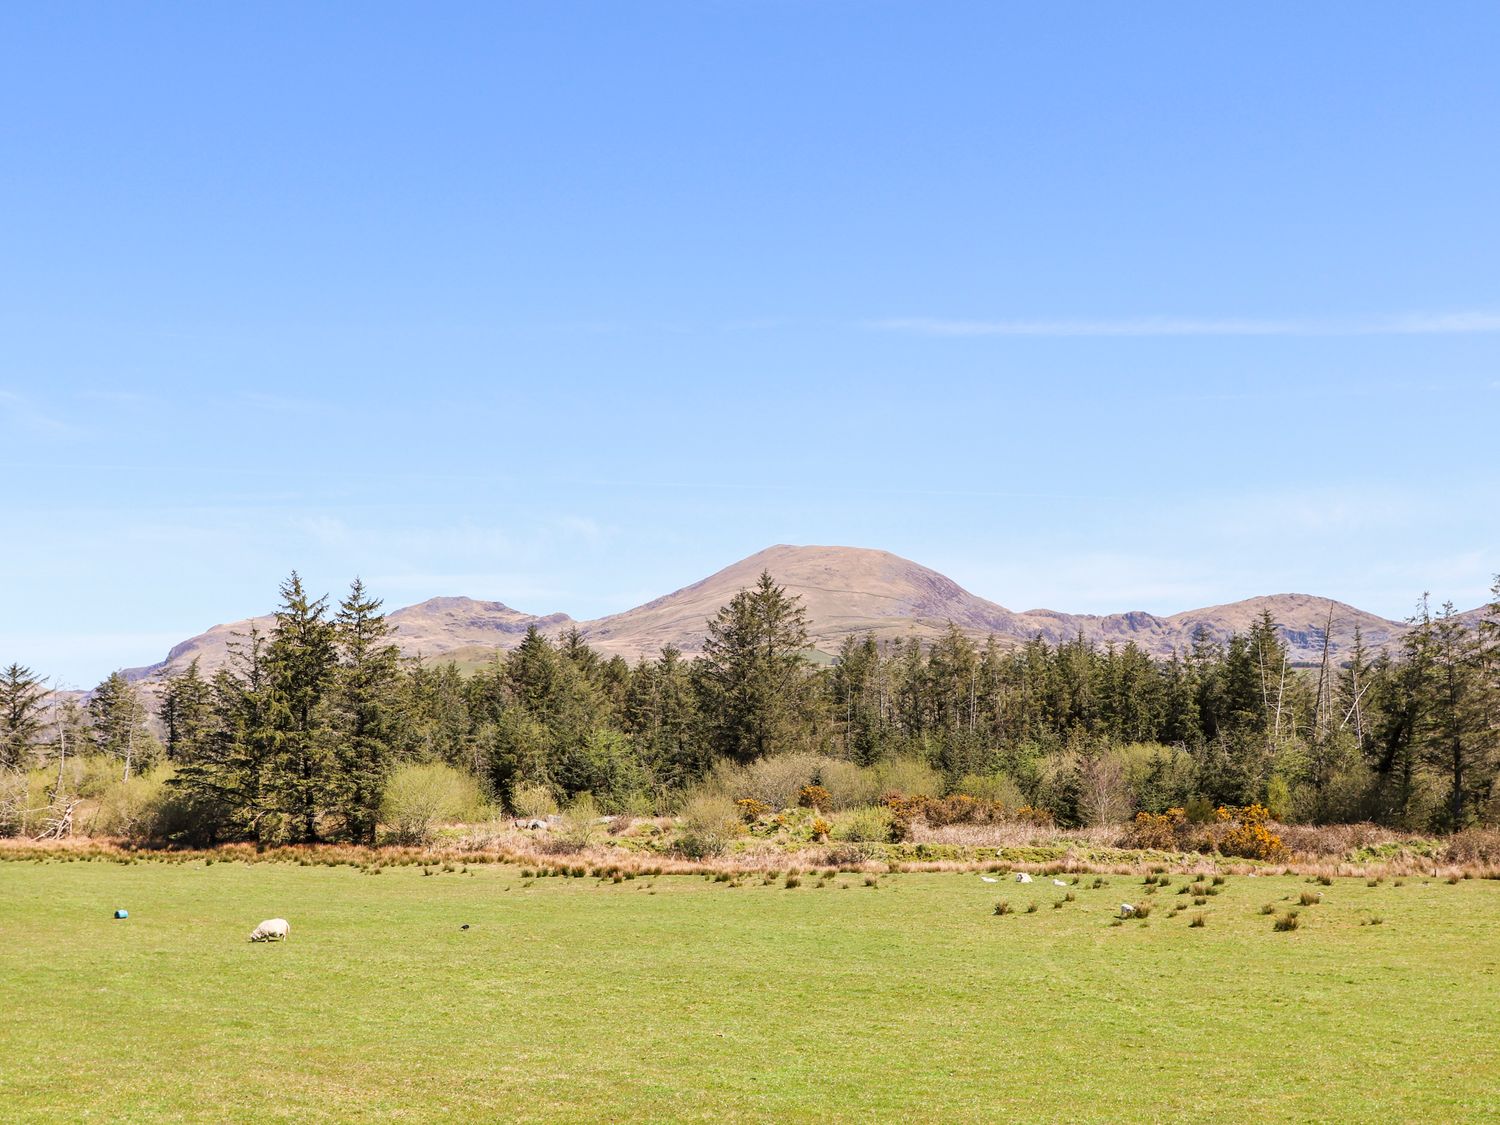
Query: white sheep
x: 1022, y: 877
x: 1126, y: 909
x: 272, y: 929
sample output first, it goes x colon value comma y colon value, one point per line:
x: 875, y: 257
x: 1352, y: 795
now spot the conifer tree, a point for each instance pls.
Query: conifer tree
x: 301, y: 661
x: 186, y: 712
x: 754, y: 672
x: 364, y: 710
x: 21, y: 696
x: 119, y: 722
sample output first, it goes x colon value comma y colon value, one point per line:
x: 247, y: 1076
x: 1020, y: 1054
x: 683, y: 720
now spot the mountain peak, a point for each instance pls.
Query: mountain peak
x: 845, y: 591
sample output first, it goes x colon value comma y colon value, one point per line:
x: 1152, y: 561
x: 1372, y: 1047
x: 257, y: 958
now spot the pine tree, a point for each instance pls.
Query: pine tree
x: 186, y: 712
x: 301, y: 661
x: 21, y: 696
x: 661, y: 715
x: 1454, y: 734
x: 119, y: 721
x: 364, y: 710
x: 754, y: 672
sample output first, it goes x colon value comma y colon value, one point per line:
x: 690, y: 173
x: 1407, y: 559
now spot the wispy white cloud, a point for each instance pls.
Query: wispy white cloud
x: 1415, y: 324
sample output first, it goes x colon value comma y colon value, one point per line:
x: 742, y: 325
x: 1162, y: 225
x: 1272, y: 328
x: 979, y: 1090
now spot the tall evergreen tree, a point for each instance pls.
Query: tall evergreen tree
x: 301, y: 662
x: 754, y: 672
x: 1455, y: 735
x: 363, y: 710
x: 186, y: 712
x: 21, y: 695
x: 119, y: 721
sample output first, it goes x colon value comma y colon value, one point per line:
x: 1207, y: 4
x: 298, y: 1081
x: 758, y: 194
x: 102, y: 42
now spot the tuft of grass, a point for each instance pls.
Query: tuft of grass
x: 1219, y: 880
x: 1031, y: 907
x: 1373, y: 920
x: 1325, y: 880
x: 1142, y: 911
x: 793, y: 881
x: 1003, y: 907
x: 871, y: 881
x: 1268, y: 908
x: 1198, y: 922
x: 1310, y: 898
x: 1200, y: 900
x: 1286, y: 922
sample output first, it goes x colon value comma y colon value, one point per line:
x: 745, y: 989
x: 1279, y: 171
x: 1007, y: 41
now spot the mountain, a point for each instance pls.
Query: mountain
x: 846, y: 591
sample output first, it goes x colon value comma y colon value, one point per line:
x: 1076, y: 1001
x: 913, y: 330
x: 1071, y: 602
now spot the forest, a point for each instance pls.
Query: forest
x: 317, y: 727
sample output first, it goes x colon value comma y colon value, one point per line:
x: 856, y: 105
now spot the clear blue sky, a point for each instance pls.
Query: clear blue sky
x: 1090, y: 306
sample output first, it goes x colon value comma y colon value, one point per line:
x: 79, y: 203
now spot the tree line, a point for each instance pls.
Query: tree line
x: 295, y: 738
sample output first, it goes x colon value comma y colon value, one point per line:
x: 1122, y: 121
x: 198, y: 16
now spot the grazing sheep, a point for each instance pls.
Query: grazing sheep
x: 272, y: 929
x: 987, y: 879
x: 1022, y: 877
x: 1059, y: 883
x: 1126, y: 909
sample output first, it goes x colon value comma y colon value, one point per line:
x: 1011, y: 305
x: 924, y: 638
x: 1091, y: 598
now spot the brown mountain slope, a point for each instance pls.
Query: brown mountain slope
x: 846, y: 591
x: 427, y: 630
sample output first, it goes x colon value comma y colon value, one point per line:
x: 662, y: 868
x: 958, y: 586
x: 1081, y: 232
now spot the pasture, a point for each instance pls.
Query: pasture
x: 677, y: 998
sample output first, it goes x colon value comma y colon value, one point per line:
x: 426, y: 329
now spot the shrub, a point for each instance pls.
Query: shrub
x: 580, y: 823
x: 1249, y: 837
x: 531, y: 801
x: 910, y: 776
x: 814, y: 797
x: 849, y: 786
x: 867, y: 825
x: 133, y: 808
x: 710, y: 823
x: 1158, y: 830
x: 418, y: 798
x: 752, y: 810
x: 820, y: 828
x: 994, y: 788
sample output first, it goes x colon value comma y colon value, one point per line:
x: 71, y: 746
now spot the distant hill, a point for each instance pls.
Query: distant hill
x: 847, y: 591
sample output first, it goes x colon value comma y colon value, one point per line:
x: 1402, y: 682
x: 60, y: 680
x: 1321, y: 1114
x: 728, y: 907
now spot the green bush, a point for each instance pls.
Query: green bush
x: 908, y: 776
x: 869, y: 825
x: 531, y: 801
x: 582, y: 825
x: 996, y: 788
x: 420, y: 797
x: 849, y: 785
x: 710, y: 823
x: 133, y: 808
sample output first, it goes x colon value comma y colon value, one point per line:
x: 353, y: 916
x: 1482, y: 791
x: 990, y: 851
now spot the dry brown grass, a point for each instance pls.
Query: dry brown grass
x: 638, y: 850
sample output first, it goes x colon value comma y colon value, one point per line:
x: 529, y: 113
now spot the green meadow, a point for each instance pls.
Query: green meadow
x: 676, y: 998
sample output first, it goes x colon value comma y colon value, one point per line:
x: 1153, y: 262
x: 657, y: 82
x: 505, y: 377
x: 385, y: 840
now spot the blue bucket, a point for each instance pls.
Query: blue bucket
x: 122, y: 914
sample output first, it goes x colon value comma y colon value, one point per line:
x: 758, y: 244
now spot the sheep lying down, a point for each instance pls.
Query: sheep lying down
x: 272, y: 929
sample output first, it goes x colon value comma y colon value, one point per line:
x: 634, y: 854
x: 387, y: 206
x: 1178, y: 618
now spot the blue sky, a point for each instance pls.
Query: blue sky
x: 1093, y: 307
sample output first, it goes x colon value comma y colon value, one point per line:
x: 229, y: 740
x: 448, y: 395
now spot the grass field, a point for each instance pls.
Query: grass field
x: 676, y: 998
